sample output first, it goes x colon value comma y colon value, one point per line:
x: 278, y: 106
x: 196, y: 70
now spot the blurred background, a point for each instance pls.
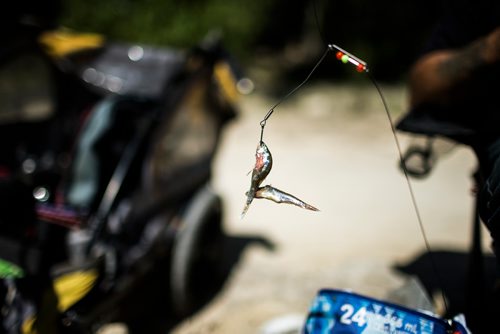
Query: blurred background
x: 332, y: 146
x: 387, y: 33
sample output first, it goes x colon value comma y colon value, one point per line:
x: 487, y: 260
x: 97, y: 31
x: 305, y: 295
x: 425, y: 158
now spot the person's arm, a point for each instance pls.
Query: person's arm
x: 434, y: 76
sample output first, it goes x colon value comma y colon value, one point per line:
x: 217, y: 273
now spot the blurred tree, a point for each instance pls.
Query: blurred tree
x: 168, y: 22
x: 387, y: 33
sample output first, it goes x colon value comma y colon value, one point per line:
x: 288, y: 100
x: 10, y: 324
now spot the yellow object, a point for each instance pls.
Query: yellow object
x: 59, y: 43
x: 28, y: 326
x: 227, y: 81
x: 72, y: 287
x: 69, y: 289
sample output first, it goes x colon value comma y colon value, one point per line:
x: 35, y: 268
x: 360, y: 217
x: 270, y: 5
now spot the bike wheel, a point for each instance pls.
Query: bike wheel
x: 197, y: 253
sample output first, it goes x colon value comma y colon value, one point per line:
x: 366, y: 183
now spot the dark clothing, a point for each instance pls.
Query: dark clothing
x: 472, y: 117
x: 490, y: 197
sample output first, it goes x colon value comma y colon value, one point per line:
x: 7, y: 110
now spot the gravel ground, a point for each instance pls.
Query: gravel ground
x: 332, y: 147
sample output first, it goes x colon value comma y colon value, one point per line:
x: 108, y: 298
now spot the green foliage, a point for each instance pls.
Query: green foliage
x: 180, y: 23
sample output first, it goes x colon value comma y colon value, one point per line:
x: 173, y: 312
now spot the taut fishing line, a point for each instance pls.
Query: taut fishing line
x: 412, y: 193
x: 271, y: 110
x: 361, y: 66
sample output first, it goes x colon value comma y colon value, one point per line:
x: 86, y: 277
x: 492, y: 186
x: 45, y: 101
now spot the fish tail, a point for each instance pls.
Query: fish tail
x: 294, y: 200
x: 279, y: 196
x: 245, y: 209
x: 247, y: 205
x: 309, y: 207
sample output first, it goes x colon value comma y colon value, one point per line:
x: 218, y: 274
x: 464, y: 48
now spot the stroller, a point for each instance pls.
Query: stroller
x: 105, y: 177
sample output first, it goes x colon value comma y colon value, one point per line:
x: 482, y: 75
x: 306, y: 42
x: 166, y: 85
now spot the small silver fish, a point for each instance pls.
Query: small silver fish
x: 280, y: 196
x: 263, y: 165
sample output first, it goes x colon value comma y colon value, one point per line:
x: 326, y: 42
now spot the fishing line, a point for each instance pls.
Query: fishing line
x: 271, y: 110
x: 318, y: 26
x: 362, y: 66
x: 410, y: 189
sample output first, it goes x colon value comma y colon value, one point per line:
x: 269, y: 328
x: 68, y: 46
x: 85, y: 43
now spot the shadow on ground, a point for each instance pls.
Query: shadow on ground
x: 149, y: 310
x: 466, y: 281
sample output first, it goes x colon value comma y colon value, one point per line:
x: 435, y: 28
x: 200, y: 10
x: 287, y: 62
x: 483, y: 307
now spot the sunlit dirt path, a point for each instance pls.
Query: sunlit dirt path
x: 332, y: 147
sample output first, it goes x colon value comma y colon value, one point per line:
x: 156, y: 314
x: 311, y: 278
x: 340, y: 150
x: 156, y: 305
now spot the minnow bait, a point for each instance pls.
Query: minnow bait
x: 280, y: 196
x: 263, y: 165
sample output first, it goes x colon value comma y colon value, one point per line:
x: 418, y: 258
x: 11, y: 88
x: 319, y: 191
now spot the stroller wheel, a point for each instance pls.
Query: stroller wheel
x: 197, y: 252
